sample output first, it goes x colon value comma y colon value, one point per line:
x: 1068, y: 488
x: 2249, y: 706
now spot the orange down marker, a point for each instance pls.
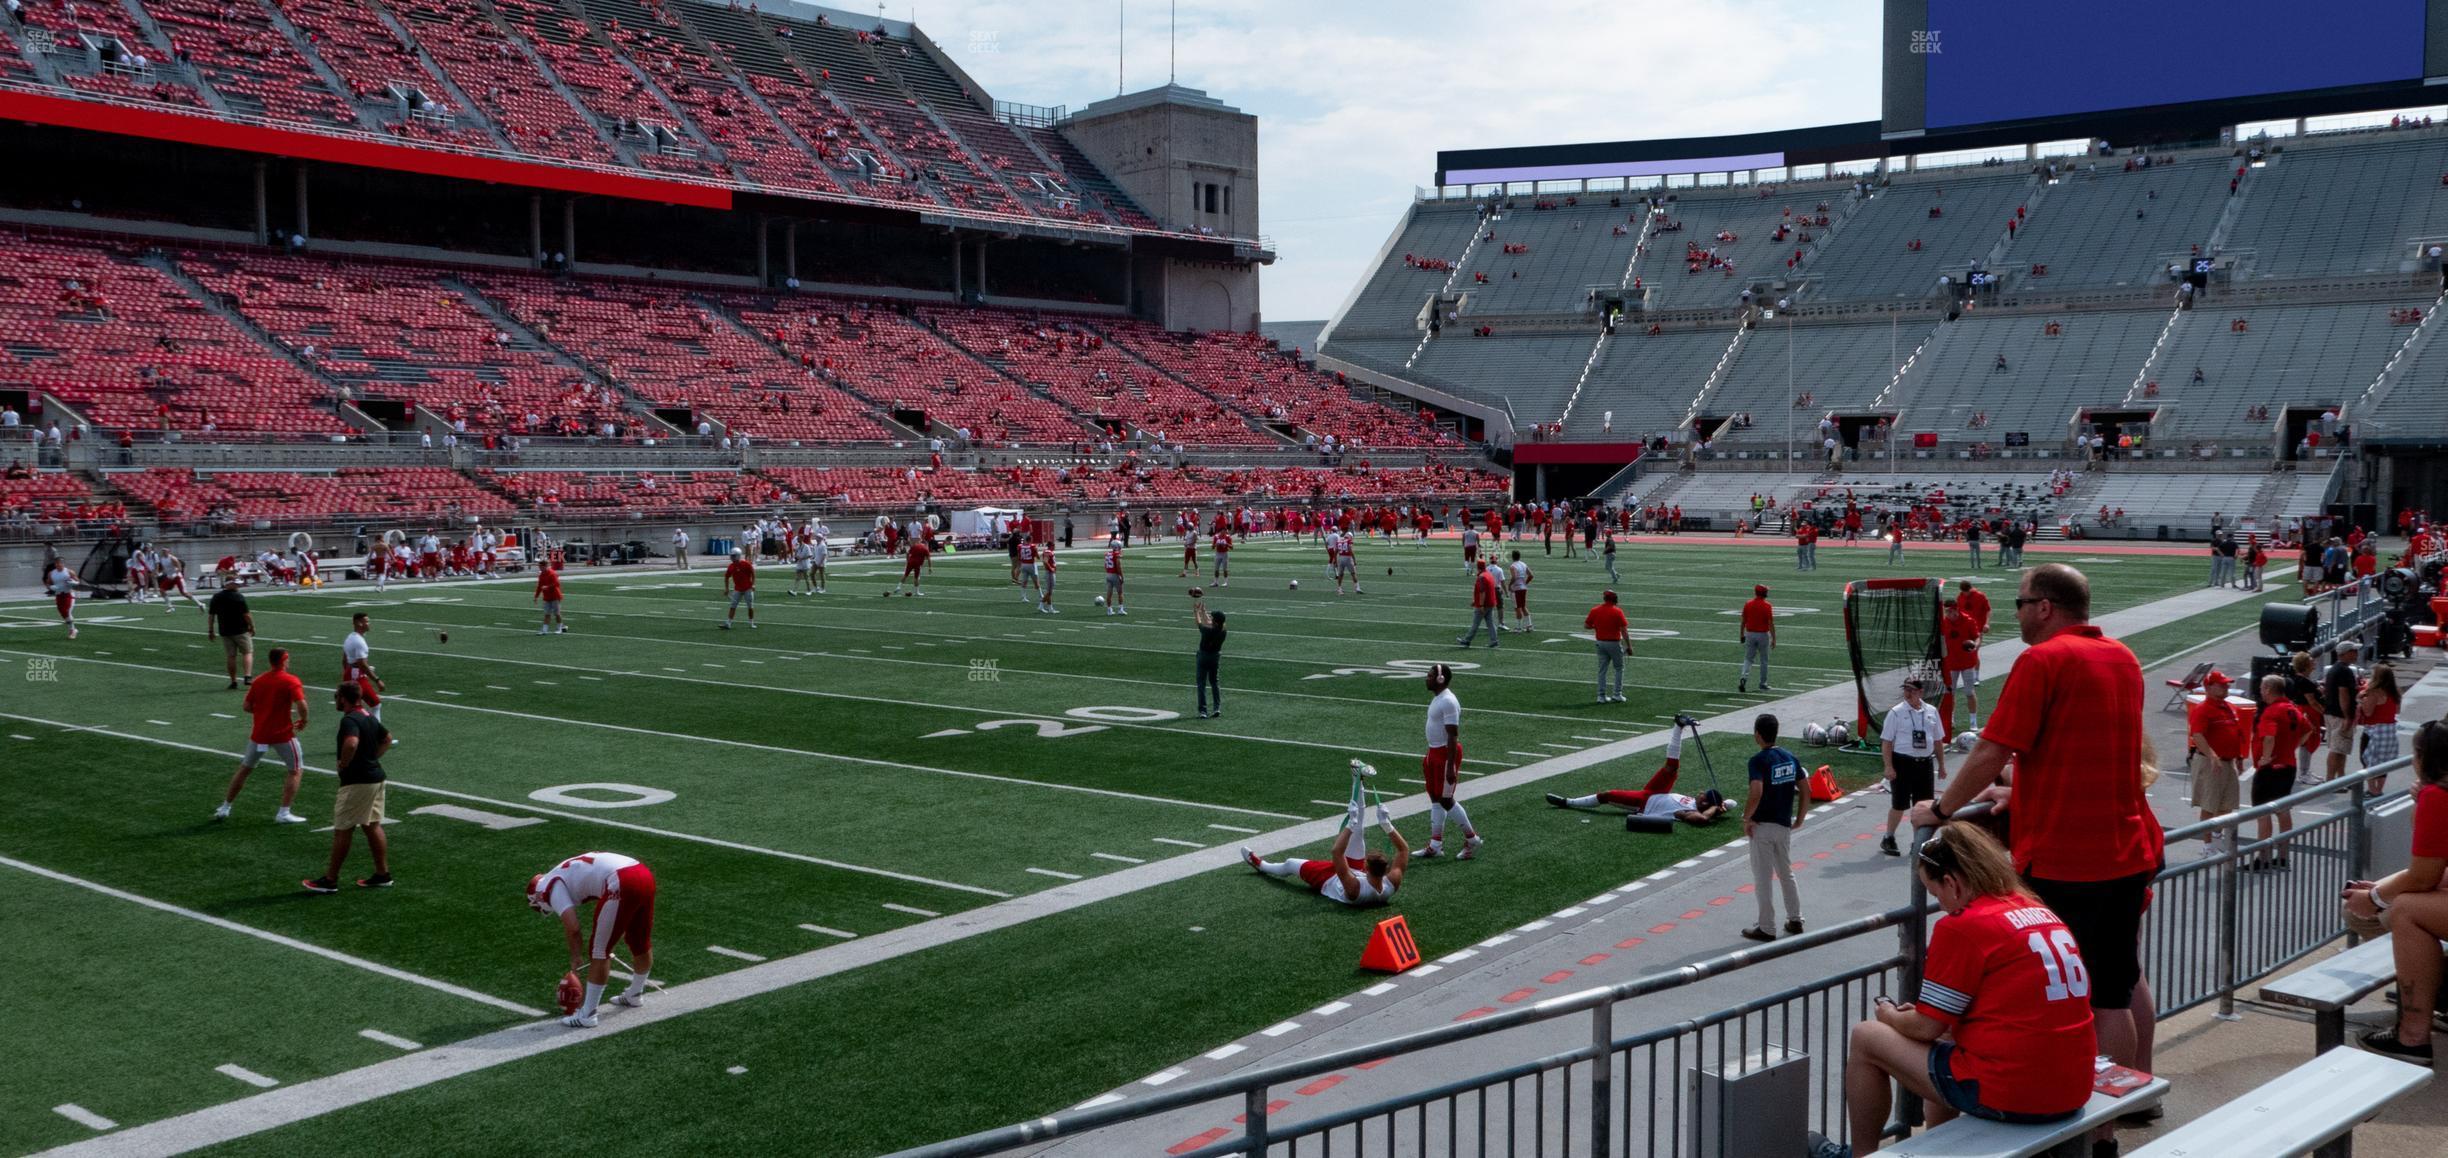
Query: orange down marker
x: 1390, y: 949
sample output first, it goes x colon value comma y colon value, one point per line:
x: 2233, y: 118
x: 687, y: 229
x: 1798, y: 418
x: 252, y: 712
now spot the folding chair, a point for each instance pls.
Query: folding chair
x: 2183, y: 687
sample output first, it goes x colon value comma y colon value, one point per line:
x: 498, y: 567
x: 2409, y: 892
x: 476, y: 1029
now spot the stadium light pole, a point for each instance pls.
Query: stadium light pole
x: 1792, y: 401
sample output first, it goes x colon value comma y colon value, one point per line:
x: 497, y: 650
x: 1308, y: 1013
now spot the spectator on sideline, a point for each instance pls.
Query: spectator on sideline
x: 1758, y: 634
x: 1972, y: 537
x: 2340, y: 687
x: 1210, y: 654
x: 1606, y: 621
x: 2217, y: 742
x: 2085, y: 839
x: 359, y: 802
x: 1772, y: 812
x: 2412, y: 906
x: 1914, y: 758
x: 2376, y: 709
x: 228, y: 618
x: 2281, y: 727
x: 1487, y: 606
x: 1997, y: 1033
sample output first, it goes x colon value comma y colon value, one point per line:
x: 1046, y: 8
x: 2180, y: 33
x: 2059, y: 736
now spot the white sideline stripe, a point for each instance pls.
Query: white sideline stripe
x: 1496, y: 940
x: 1279, y: 1029
x: 1231, y: 828
x: 738, y: 954
x: 1221, y: 1052
x: 83, y: 1117
x: 1331, y: 1008
x: 246, y: 1075
x: 829, y: 932
x: 564, y: 814
x: 1327, y: 803
x: 1714, y: 852
x: 162, y: 723
x: 912, y: 910
x: 1119, y: 857
x: 393, y: 1040
x: 1182, y: 843
x: 1575, y: 911
x: 1535, y: 926
x: 1162, y: 1077
x: 275, y: 938
x: 1051, y: 873
x: 1380, y: 989
x: 1459, y: 955
x: 1099, y: 1100
x: 1424, y: 970
x: 223, y: 716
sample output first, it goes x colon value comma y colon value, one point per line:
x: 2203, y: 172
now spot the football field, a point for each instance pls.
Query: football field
x: 967, y: 804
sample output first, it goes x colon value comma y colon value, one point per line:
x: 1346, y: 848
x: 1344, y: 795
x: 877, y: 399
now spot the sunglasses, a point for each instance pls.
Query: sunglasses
x: 2023, y: 601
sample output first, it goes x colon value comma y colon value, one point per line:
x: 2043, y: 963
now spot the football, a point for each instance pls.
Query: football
x: 570, y: 992
x: 1100, y: 601
x: 1198, y: 593
x: 1293, y: 584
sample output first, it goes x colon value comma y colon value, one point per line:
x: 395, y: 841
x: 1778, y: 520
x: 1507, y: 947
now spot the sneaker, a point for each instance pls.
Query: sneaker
x: 1606, y: 699
x: 1766, y: 688
x: 1470, y: 848
x: 543, y: 631
x: 630, y: 1000
x: 563, y: 630
x: 233, y: 686
x: 1740, y: 687
x: 752, y: 625
x: 725, y: 625
x: 377, y: 881
x: 580, y: 1020
x: 320, y: 885
x: 1217, y: 714
x: 2105, y: 1148
x: 1558, y: 801
x: 284, y: 816
x: 1793, y: 928
x: 1458, y: 641
x: 1887, y: 845
x: 1431, y: 852
x: 222, y: 812
x: 1249, y: 858
x: 1202, y: 713
x: 1755, y: 933
x: 1818, y: 1145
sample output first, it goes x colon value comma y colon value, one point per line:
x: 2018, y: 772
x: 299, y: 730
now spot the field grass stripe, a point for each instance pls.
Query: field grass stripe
x: 277, y: 939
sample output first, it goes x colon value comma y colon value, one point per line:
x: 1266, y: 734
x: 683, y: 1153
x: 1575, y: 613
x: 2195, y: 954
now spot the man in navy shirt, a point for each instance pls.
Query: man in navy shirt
x: 1771, y: 813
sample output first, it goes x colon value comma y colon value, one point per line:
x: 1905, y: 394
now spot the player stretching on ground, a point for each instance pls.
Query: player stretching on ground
x: 278, y: 703
x: 1442, y: 766
x: 356, y: 666
x: 1658, y: 797
x: 913, y: 569
x: 1113, y: 578
x: 1333, y: 877
x: 739, y: 582
x: 548, y: 593
x: 624, y: 892
x: 60, y: 583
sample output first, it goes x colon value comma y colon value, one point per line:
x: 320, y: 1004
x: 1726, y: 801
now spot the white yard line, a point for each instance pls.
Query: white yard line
x: 735, y: 954
x: 1047, y: 872
x: 83, y: 1117
x: 912, y: 911
x: 246, y: 1075
x: 392, y: 1040
x: 829, y: 932
x: 1115, y: 856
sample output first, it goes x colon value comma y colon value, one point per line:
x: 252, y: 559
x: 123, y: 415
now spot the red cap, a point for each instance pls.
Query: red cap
x: 2215, y: 676
x: 1759, y: 589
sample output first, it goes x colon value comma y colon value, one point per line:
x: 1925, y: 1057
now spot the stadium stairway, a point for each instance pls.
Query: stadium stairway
x: 244, y: 324
x: 523, y: 335
x: 164, y: 52
x: 463, y: 107
x: 279, y: 22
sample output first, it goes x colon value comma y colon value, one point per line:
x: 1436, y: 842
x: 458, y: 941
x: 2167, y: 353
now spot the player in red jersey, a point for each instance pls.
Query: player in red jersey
x: 1221, y: 544
x: 548, y: 593
x: 357, y: 666
x: 1028, y: 568
x: 913, y: 571
x: 739, y: 582
x: 1959, y: 664
x: 623, y: 890
x: 2005, y: 987
x: 277, y: 701
x: 1113, y: 578
x: 1045, y: 597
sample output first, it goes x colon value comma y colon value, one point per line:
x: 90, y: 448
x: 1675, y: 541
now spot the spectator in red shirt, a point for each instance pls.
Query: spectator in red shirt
x: 548, y: 593
x: 2218, y: 740
x: 2412, y: 906
x: 1999, y: 1032
x: 2085, y: 839
x: 739, y: 580
x: 2281, y: 729
x: 1758, y: 634
x: 1606, y: 622
x: 1487, y: 605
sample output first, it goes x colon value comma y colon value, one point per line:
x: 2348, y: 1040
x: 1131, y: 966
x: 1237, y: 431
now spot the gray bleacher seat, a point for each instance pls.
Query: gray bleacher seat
x: 1868, y: 259
x: 2415, y: 404
x: 1571, y: 249
x: 2314, y: 355
x: 1534, y: 372
x: 1648, y: 380
x: 1979, y: 1138
x: 2189, y: 498
x: 2091, y: 362
x: 2355, y: 207
x: 2299, y: 1111
x: 1755, y: 252
x: 2328, y: 986
x: 1842, y: 367
x: 2086, y: 232
x: 1395, y: 292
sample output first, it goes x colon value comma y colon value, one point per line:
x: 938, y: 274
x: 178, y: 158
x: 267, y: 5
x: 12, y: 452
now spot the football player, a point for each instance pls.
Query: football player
x: 624, y: 892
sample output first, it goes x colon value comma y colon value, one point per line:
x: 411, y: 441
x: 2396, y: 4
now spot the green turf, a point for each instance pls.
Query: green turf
x: 846, y: 730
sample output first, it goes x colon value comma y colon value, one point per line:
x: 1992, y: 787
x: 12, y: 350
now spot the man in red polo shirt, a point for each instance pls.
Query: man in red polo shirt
x: 2217, y: 743
x: 1607, y: 623
x: 2085, y: 839
x: 1758, y: 637
x: 1959, y: 664
x: 1487, y: 606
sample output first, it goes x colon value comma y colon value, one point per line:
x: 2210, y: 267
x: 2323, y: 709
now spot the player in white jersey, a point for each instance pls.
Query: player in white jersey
x: 1333, y: 877
x: 624, y: 893
x: 1470, y: 546
x: 1341, y: 563
x: 60, y: 584
x: 170, y: 578
x: 1441, y: 768
x: 140, y: 574
x: 1028, y: 569
x: 820, y: 543
x: 803, y: 567
x: 357, y: 667
x: 1517, y: 580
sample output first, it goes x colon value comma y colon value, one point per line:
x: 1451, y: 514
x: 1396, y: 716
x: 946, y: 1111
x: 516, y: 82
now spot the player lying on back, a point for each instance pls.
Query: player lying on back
x: 623, y: 891
x: 1658, y: 797
x: 1333, y: 877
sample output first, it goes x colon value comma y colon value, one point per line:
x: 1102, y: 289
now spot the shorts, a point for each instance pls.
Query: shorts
x: 1344, y: 567
x: 909, y: 567
x: 1315, y: 873
x: 626, y: 917
x: 552, y: 607
x: 1521, y: 603
x: 2341, y: 734
x: 1113, y: 583
x: 1433, y: 769
x: 2215, y: 783
x: 2106, y: 920
x: 1964, y: 678
x: 1028, y: 572
x: 1470, y: 554
x: 292, y: 754
x: 1916, y: 780
x: 745, y: 595
x: 357, y: 805
x: 65, y: 603
x: 2271, y: 781
x: 365, y: 686
x: 1964, y: 1096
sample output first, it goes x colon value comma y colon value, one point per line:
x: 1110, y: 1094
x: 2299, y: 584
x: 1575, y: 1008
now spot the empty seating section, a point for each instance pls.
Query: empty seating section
x: 128, y: 347
x: 894, y: 363
x: 2416, y: 403
x: 2149, y: 499
x: 1648, y: 381
x: 371, y: 59
x: 2090, y: 362
x: 1246, y: 370
x: 1082, y: 372
x: 578, y: 492
x: 870, y: 487
x: 2302, y: 493
x: 51, y: 496
x: 1083, y: 176
x: 396, y: 333
x: 671, y: 353
x: 1532, y: 374
x: 1676, y: 273
x: 622, y: 102
x: 756, y: 147
x: 2342, y: 209
x: 1842, y: 369
x: 502, y: 81
x: 245, y: 498
x: 832, y: 134
x: 114, y: 34
x: 2307, y: 356
x: 935, y: 155
x: 1902, y: 240
x: 1570, y: 248
x: 2105, y: 226
x: 249, y: 61
x: 1397, y: 288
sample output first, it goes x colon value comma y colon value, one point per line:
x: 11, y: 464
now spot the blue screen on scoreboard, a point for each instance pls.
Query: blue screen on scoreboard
x: 1995, y: 60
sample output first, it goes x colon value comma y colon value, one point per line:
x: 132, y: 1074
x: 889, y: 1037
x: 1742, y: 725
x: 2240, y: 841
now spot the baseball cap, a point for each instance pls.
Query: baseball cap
x: 2214, y: 676
x: 1914, y: 682
x: 1759, y: 589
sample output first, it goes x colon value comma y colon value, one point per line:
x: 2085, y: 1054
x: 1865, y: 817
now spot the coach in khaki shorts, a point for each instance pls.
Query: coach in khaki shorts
x: 2218, y: 740
x: 227, y: 618
x: 359, y: 802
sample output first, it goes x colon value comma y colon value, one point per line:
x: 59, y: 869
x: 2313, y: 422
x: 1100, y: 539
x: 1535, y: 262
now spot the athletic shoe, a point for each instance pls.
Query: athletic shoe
x: 630, y: 1000
x: 564, y: 630
x: 320, y: 885
x: 1217, y: 714
x: 221, y: 813
x: 1122, y: 611
x: 72, y: 633
x: 1766, y: 688
x: 1431, y: 852
x: 1741, y: 686
x: 725, y: 625
x: 1470, y: 848
x: 233, y: 686
x: 539, y: 631
x: 284, y: 816
x: 377, y: 881
x: 752, y: 625
x: 1755, y: 933
x: 1887, y: 845
x: 1202, y: 715
x: 1458, y: 641
x: 1606, y: 699
x: 580, y: 1020
x: 1793, y: 927
x: 1818, y: 1145
x: 1558, y: 801
x: 1249, y: 858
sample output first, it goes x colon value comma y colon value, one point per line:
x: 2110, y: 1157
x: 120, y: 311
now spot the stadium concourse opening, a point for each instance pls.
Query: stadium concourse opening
x: 706, y: 471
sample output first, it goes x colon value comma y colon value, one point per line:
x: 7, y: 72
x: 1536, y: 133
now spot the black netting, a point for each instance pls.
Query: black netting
x: 1891, y: 629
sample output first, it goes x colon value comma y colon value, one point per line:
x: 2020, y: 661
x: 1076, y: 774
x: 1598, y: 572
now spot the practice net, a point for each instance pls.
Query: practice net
x: 1891, y: 626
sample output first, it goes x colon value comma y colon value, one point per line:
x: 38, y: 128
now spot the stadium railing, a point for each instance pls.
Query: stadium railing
x: 2209, y: 933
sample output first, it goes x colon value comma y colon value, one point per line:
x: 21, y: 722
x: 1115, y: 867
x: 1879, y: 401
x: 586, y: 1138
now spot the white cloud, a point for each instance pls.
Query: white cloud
x: 1354, y: 99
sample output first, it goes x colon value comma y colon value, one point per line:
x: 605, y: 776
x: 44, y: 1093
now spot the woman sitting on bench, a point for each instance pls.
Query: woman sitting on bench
x: 2003, y: 1028
x: 2412, y: 905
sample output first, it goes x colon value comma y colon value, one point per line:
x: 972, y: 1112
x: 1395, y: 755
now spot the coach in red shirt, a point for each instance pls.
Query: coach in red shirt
x: 1758, y: 637
x: 1487, y: 604
x: 2085, y: 838
x: 1608, y: 625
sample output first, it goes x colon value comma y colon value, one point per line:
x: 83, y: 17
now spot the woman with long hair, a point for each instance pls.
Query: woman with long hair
x: 2003, y: 1028
x: 2376, y: 711
x: 2410, y: 903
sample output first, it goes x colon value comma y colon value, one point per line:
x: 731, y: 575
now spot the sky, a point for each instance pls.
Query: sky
x: 1355, y: 97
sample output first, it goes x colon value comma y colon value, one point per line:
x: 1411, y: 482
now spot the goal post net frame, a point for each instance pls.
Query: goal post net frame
x: 1891, y: 625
